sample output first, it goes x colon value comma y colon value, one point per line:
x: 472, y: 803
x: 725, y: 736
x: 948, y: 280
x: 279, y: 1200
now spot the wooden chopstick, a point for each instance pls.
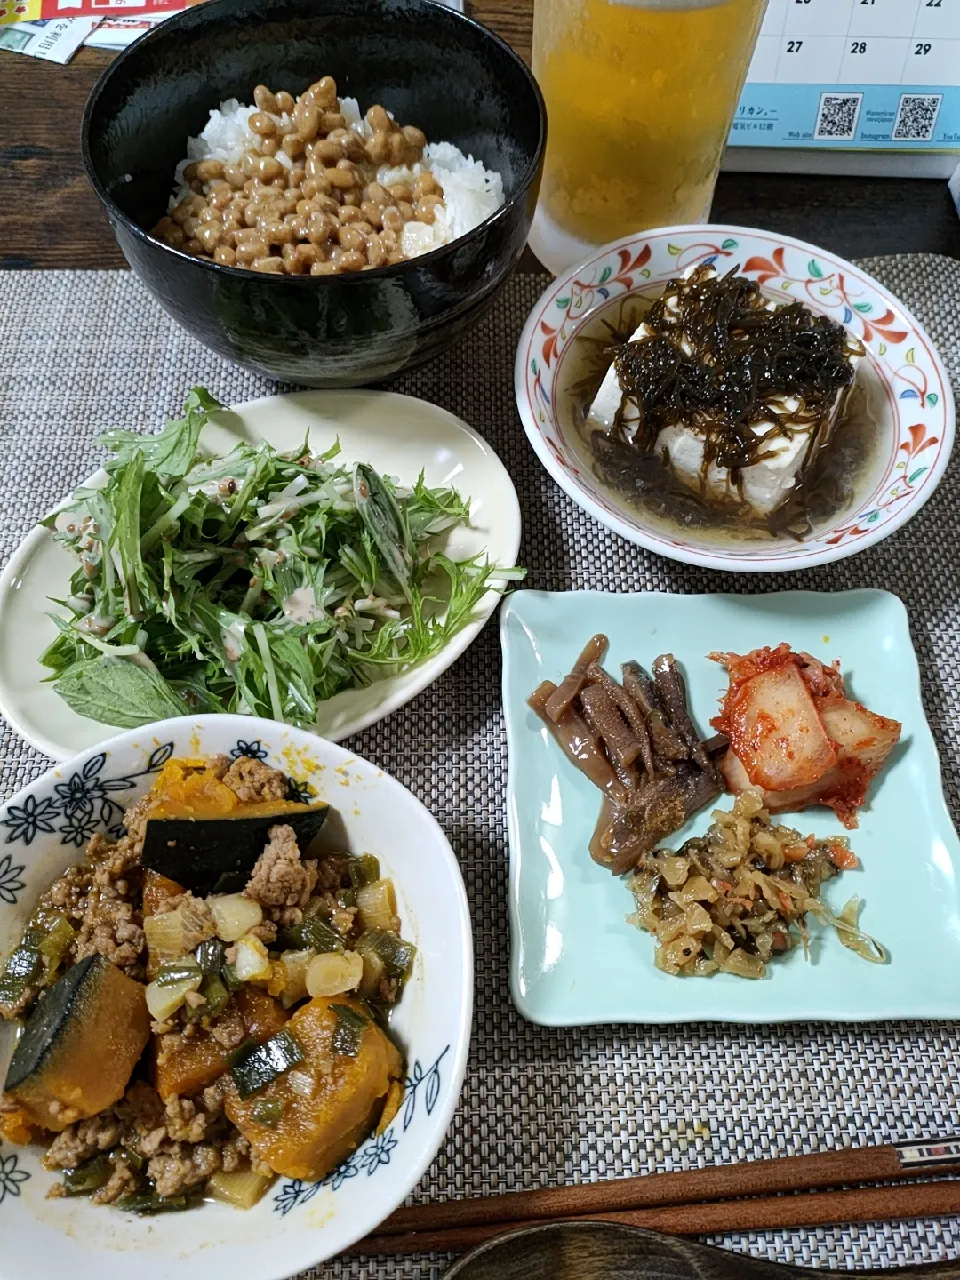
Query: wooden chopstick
x: 862, y: 1204
x: 852, y: 1166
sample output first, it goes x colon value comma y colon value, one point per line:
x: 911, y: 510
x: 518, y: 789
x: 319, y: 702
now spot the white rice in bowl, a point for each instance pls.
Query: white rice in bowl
x: 471, y: 192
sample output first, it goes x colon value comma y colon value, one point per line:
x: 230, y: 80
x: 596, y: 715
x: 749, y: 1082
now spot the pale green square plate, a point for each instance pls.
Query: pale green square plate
x: 574, y: 958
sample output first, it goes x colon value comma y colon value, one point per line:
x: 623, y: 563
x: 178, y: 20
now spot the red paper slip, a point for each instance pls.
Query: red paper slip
x: 37, y: 10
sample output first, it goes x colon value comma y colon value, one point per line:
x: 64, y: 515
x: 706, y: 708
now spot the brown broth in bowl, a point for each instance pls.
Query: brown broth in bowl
x: 844, y: 474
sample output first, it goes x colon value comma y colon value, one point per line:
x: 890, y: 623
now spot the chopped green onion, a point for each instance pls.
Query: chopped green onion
x: 377, y: 906
x: 241, y: 1189
x: 24, y: 966
x: 215, y: 997
x: 55, y: 945
x: 265, y: 1063
x: 396, y: 954
x: 148, y: 1202
x: 174, y: 972
x: 213, y: 988
x: 349, y: 1031
x: 363, y: 870
x: 268, y: 1111
x: 210, y: 957
x: 87, y: 1177
x: 131, y: 1157
x: 311, y: 934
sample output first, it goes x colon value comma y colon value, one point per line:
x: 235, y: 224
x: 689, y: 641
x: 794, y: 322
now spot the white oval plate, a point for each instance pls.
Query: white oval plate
x: 297, y: 1224
x: 398, y: 435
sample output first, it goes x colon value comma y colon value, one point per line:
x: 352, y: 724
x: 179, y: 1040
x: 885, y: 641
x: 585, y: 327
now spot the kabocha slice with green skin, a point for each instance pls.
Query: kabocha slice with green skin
x: 217, y: 855
x: 323, y: 1105
x: 79, y: 1046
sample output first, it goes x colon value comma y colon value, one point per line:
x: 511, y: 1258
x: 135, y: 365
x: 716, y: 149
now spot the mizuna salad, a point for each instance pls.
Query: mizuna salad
x: 257, y: 582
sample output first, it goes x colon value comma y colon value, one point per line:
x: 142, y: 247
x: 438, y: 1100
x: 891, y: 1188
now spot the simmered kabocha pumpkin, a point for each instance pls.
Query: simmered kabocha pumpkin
x: 156, y: 890
x: 201, y: 835
x: 79, y: 1046
x: 187, y: 1065
x: 308, y: 1118
x: 271, y: 999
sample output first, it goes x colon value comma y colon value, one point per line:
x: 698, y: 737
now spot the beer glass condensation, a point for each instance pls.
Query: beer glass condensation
x: 640, y: 96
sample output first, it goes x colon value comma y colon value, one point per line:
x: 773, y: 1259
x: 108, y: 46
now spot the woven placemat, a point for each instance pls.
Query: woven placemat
x: 81, y: 351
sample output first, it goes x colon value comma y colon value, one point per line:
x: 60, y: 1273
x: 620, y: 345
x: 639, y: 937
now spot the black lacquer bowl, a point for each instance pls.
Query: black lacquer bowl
x: 429, y: 65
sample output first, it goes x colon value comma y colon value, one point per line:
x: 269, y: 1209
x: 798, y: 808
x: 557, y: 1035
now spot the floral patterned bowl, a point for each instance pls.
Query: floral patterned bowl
x: 909, y: 388
x: 297, y: 1224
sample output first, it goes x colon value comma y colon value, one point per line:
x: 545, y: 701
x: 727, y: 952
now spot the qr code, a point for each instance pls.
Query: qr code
x: 917, y: 117
x: 839, y: 113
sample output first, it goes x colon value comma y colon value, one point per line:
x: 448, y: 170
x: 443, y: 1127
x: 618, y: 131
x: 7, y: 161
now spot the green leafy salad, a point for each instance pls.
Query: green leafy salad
x: 258, y: 582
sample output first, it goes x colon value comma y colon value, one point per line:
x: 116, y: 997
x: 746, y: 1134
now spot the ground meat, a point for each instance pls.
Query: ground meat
x: 280, y: 878
x: 343, y: 919
x: 219, y: 765
x: 213, y: 1098
x: 113, y: 929
x: 122, y: 1182
x: 82, y: 1140
x: 228, y: 1030
x: 182, y: 1167
x: 140, y: 1109
x: 266, y: 930
x: 135, y: 822
x: 101, y: 899
x: 258, y: 1165
x: 332, y: 873
x: 62, y: 1111
x: 389, y: 990
x: 68, y: 893
x: 185, y: 1121
x: 253, y: 780
x: 151, y: 1142
x: 234, y: 1153
x: 183, y: 1141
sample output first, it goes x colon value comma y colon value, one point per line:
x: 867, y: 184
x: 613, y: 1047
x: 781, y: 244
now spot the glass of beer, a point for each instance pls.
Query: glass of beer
x: 640, y: 96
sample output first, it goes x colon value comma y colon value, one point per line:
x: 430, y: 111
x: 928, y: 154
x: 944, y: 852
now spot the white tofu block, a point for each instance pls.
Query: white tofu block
x: 765, y: 485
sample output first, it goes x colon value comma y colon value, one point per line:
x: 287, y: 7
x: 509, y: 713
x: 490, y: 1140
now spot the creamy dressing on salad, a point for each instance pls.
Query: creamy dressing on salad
x: 301, y: 606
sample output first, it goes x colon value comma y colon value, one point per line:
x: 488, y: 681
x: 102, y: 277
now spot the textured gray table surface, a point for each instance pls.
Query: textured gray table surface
x: 81, y: 351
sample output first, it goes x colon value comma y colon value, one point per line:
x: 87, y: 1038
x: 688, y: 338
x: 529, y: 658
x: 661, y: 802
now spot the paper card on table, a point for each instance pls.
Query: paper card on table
x: 117, y: 33
x: 37, y: 10
x: 54, y: 40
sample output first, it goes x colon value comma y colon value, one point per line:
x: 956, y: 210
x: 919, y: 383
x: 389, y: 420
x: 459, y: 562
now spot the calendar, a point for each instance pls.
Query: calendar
x: 864, y: 75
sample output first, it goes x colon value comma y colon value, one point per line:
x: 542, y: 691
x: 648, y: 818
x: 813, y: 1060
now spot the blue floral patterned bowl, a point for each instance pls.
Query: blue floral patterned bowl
x: 43, y: 830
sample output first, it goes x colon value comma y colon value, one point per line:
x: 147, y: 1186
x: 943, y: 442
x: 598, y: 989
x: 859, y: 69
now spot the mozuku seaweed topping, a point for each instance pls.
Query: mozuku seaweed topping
x: 720, y: 361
